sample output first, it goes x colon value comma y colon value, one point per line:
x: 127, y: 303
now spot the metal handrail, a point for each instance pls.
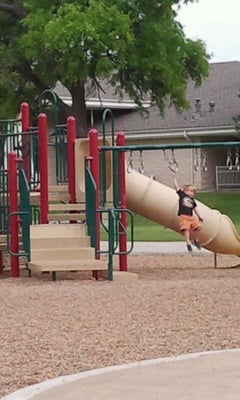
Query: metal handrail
x: 19, y: 254
x: 130, y: 213
x: 115, y: 233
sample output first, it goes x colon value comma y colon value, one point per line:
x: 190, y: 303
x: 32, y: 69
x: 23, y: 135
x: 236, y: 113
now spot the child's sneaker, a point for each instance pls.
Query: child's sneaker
x: 189, y: 247
x: 197, y: 244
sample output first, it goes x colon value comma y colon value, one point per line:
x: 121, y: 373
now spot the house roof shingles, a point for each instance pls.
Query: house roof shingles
x: 221, y: 87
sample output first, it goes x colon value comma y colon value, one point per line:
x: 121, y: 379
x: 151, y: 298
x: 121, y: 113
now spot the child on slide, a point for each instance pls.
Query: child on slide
x: 187, y: 221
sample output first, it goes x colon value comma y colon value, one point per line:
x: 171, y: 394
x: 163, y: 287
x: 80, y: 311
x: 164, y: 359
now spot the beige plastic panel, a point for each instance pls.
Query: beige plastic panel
x: 81, y: 151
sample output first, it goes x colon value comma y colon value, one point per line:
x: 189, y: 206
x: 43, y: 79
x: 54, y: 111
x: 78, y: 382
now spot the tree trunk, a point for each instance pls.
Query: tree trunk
x: 16, y: 9
x: 79, y: 109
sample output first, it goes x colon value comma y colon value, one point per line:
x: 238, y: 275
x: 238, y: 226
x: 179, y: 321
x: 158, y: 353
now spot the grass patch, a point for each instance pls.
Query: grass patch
x: 146, y: 230
x: 226, y: 203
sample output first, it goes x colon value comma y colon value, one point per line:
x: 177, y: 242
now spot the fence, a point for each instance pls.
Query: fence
x: 227, y: 177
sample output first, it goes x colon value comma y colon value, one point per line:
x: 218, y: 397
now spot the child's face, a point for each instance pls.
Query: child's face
x: 190, y: 191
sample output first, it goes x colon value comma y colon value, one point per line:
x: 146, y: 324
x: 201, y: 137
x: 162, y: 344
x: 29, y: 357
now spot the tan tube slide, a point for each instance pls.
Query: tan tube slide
x: 159, y: 203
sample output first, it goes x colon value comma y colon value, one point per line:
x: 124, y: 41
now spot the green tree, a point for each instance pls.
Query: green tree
x: 139, y: 47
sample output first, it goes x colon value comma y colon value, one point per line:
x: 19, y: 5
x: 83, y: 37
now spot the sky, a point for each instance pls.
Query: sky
x: 217, y: 23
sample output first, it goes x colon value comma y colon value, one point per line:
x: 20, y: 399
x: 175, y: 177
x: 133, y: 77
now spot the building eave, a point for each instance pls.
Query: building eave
x: 96, y: 104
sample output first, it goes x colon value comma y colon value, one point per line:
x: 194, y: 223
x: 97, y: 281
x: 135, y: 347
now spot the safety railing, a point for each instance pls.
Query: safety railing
x: 7, y: 127
x: 22, y: 215
x: 18, y: 219
x: 25, y: 144
x: 90, y: 190
x: 48, y: 100
x: 110, y: 221
x: 24, y: 209
x: 115, y: 228
x: 32, y: 151
x: 61, y: 153
x: 4, y: 209
x: 102, y: 160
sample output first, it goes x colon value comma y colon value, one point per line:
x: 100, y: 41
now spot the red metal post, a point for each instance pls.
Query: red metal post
x: 25, y: 140
x: 94, y: 153
x: 13, y: 207
x: 120, y: 141
x: 43, y: 161
x: 25, y: 116
x: 71, y: 136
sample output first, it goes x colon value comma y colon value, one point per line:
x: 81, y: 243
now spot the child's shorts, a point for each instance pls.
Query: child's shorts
x: 187, y: 222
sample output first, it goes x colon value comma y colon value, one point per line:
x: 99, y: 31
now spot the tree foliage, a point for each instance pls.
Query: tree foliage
x: 139, y: 47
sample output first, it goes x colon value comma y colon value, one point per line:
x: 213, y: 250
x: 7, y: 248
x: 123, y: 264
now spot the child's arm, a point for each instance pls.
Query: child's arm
x: 197, y: 214
x: 175, y: 183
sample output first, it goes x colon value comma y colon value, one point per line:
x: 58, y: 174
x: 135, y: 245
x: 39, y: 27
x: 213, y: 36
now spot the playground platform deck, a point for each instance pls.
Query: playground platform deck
x: 209, y: 375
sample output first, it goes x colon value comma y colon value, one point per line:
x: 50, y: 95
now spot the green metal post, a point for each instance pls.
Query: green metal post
x: 104, y: 117
x: 4, y: 206
x: 111, y: 219
x: 25, y: 209
x: 90, y: 190
x: 102, y: 164
x: 61, y: 153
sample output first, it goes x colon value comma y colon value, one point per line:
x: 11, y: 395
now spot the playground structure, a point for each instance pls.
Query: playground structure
x: 95, y: 184
x: 52, y: 247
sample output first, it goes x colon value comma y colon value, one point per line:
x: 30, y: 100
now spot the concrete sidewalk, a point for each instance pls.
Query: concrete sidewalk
x: 209, y: 375
x: 159, y: 248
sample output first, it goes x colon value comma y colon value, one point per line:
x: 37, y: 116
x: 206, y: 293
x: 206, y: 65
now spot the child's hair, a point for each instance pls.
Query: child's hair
x: 189, y: 186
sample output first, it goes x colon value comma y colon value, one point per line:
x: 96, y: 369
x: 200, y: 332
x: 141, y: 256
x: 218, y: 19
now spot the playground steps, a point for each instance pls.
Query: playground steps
x: 50, y: 231
x: 59, y: 217
x: 56, y: 193
x: 60, y: 210
x: 60, y: 243
x: 53, y: 197
x: 55, y: 252
x: 3, y: 242
x: 67, y: 207
x: 62, y: 247
x: 70, y: 265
